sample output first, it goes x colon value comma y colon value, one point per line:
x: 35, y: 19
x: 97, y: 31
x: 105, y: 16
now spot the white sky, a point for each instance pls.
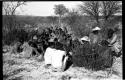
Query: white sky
x: 45, y: 8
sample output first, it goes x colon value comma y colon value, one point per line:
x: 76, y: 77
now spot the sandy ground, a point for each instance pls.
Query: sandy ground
x: 17, y: 68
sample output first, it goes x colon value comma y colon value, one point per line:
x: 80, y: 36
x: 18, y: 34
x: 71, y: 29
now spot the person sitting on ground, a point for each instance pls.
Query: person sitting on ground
x: 85, y: 39
x: 58, y: 45
x: 86, y: 44
x: 112, y: 38
x: 95, y: 35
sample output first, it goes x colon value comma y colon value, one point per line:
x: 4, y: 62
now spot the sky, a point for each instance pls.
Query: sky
x: 44, y: 8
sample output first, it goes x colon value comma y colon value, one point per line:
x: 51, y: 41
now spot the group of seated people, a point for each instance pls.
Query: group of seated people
x: 50, y: 36
x: 111, y: 40
x: 60, y: 40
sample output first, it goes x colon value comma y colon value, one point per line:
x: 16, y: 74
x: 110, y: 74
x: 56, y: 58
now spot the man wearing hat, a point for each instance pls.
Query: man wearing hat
x: 86, y: 46
x: 95, y: 35
x: 84, y: 39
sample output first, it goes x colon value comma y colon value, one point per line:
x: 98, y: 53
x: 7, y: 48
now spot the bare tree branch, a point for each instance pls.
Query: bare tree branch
x: 109, y: 8
x: 91, y: 8
x: 9, y: 9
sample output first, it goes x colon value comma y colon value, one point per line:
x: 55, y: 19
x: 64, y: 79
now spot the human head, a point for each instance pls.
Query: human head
x: 96, y: 30
x: 85, y: 38
x: 55, y: 40
x: 110, y: 32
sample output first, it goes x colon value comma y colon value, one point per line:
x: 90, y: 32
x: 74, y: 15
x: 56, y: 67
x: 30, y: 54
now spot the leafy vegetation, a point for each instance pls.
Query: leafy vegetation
x: 22, y: 28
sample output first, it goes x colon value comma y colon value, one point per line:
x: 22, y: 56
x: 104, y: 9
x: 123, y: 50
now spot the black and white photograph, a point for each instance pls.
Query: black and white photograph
x: 62, y: 40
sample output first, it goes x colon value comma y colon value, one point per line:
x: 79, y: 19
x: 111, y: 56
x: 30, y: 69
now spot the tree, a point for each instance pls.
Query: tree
x: 9, y: 8
x: 109, y: 8
x: 60, y: 10
x: 9, y: 12
x: 9, y: 29
x: 91, y: 8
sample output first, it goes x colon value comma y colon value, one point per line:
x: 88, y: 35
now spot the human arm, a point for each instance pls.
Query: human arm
x: 113, y: 39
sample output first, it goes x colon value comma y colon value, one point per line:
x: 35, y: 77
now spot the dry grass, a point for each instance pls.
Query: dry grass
x: 31, y: 69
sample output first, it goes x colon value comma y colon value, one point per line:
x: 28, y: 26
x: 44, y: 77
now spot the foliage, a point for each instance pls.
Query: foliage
x: 9, y: 8
x: 9, y: 27
x: 15, y: 35
x: 77, y: 23
x: 93, y: 57
x: 52, y: 19
x: 109, y: 8
x: 60, y: 9
x: 91, y: 8
x: 105, y: 8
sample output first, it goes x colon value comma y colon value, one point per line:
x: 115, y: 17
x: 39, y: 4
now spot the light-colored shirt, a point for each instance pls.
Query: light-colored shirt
x: 113, y: 39
x: 57, y: 58
x: 54, y: 57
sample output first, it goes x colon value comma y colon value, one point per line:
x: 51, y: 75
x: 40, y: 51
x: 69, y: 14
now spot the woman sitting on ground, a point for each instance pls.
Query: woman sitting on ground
x: 112, y: 38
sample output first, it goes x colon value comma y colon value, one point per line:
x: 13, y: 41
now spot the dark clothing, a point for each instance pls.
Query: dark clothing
x: 104, y: 43
x: 110, y: 33
x: 32, y: 44
x: 59, y: 46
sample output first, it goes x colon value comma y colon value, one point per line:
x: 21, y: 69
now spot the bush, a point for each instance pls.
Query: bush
x: 14, y: 36
x: 77, y: 23
x: 94, y: 57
